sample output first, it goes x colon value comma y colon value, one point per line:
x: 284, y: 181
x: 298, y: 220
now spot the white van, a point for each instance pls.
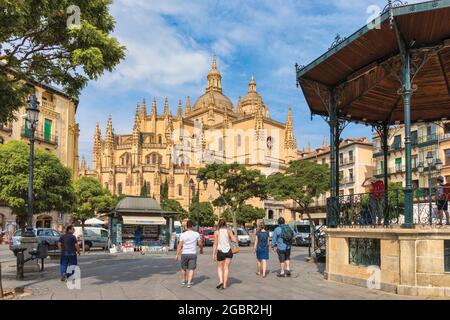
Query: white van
x: 94, y: 237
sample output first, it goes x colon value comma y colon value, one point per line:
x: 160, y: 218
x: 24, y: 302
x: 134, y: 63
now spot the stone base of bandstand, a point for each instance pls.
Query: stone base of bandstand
x: 411, y: 260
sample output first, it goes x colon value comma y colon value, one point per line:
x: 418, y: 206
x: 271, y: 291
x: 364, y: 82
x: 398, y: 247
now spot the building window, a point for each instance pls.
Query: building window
x: 398, y: 164
x: 351, y: 192
x: 270, y: 214
x: 159, y: 139
x: 447, y: 255
x: 397, y: 142
x: 125, y: 159
x: 350, y: 175
x: 341, y: 193
x: 269, y: 143
x: 341, y: 158
x: 119, y: 189
x: 350, y: 156
x: 47, y: 130
x: 149, y: 188
x: 364, y: 252
x: 414, y: 138
x: 431, y: 132
x: 239, y: 140
x: 447, y: 157
x: 180, y: 190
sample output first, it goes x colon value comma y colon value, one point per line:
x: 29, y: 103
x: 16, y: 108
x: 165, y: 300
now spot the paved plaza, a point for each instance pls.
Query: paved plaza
x: 133, y: 276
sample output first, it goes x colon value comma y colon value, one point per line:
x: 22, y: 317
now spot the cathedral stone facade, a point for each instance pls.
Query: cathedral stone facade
x: 173, y: 147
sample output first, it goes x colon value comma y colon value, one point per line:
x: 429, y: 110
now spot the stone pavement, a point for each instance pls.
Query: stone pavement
x: 133, y: 276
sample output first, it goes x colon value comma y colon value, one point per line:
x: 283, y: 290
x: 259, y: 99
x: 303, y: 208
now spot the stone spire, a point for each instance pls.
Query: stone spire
x: 109, y: 139
x: 166, y: 108
x: 267, y: 113
x: 239, y: 106
x: 325, y: 143
x: 252, y: 85
x: 83, y: 165
x: 97, y: 140
x: 154, y: 108
x: 138, y: 113
x: 188, y: 106
x: 180, y: 111
x: 289, y: 140
x: 259, y: 123
x: 144, y: 109
x: 214, y: 78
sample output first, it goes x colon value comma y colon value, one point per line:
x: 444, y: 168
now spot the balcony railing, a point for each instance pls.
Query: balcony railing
x: 40, y: 135
x: 382, y: 208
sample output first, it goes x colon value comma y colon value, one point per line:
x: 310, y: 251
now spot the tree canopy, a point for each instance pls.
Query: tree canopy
x: 245, y: 214
x: 302, y: 182
x: 205, y: 212
x: 91, y: 198
x: 64, y: 42
x: 173, y: 209
x: 52, y: 180
x: 235, y: 184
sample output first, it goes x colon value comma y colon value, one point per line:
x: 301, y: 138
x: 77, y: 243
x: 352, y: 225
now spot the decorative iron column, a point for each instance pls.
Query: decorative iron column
x: 332, y: 123
x: 407, y: 105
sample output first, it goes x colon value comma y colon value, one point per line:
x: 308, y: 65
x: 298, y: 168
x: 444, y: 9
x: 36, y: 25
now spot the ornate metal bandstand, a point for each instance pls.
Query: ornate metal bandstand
x: 395, y: 70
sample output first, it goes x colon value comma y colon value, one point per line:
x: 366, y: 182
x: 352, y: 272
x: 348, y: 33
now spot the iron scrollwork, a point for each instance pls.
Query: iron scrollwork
x: 364, y: 252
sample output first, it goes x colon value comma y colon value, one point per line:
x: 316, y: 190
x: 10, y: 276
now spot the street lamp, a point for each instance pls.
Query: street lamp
x: 205, y: 185
x: 32, y: 118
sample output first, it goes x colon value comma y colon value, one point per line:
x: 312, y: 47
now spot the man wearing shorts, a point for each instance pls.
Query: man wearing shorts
x: 282, y: 248
x: 187, y: 246
x: 442, y: 201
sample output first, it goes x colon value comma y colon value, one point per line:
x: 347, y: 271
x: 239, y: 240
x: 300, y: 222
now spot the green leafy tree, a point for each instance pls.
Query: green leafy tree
x: 52, y: 181
x: 205, y: 212
x: 246, y: 214
x: 235, y: 184
x: 90, y: 198
x: 174, y: 209
x: 164, y: 191
x: 302, y: 182
x: 65, y: 42
x: 144, y: 192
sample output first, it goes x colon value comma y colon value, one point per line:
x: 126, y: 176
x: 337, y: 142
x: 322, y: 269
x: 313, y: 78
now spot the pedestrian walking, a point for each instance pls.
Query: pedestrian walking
x: 187, y: 246
x: 222, y: 252
x: 281, y: 244
x: 261, y: 248
x: 68, y: 245
x: 138, y: 233
x: 442, y: 201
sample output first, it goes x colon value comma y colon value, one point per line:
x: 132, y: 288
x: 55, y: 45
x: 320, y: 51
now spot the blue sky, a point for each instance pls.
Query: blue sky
x: 171, y: 42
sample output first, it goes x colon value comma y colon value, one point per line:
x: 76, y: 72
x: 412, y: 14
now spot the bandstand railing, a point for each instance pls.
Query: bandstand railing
x: 382, y: 208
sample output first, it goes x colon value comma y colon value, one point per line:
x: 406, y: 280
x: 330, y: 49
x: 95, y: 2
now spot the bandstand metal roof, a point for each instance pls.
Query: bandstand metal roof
x: 366, y: 68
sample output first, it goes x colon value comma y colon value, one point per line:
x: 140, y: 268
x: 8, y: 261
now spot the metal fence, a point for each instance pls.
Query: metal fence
x: 384, y: 208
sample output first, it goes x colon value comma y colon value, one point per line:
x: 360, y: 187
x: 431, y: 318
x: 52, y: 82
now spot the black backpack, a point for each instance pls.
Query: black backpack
x: 287, y: 234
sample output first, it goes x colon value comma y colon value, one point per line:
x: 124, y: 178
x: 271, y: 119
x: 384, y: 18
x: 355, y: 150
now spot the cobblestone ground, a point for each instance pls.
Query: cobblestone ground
x: 133, y: 276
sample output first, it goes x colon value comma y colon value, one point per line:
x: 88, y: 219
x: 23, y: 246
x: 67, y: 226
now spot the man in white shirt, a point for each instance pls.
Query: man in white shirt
x: 188, y: 248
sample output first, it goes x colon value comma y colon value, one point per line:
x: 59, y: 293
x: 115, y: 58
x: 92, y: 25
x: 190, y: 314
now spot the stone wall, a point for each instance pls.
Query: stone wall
x: 412, y: 260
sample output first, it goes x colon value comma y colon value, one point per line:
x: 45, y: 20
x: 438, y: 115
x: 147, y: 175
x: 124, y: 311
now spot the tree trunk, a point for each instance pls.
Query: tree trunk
x: 82, y: 237
x: 234, y: 218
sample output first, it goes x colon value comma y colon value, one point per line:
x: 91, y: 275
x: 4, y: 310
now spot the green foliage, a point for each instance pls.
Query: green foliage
x: 173, y: 209
x: 36, y: 43
x: 164, y: 191
x: 236, y: 184
x: 91, y: 198
x: 205, y: 212
x: 52, y: 181
x: 245, y: 214
x: 302, y: 182
x: 144, y: 191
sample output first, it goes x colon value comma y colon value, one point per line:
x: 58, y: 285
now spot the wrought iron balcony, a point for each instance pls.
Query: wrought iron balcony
x: 381, y: 208
x: 40, y: 135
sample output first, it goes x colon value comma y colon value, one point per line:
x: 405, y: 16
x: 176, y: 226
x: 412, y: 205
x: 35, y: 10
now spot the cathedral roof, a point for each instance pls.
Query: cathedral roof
x: 252, y: 99
x: 213, y: 92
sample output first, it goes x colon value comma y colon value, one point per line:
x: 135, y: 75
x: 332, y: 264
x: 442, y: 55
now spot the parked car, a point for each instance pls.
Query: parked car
x: 243, y: 237
x: 302, y: 233
x: 208, y: 236
x: 47, y: 236
x: 94, y: 237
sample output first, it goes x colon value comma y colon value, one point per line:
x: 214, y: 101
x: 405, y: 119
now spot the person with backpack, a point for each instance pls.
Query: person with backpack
x: 282, y: 238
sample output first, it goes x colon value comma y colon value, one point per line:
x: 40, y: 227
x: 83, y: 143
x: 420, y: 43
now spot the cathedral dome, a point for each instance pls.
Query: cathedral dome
x: 253, y: 100
x: 213, y: 92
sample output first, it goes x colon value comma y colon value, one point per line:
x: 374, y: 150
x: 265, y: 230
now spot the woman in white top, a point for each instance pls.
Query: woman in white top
x: 222, y: 252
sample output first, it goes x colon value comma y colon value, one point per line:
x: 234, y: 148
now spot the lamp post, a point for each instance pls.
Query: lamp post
x: 421, y: 168
x: 32, y: 118
x: 205, y: 185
